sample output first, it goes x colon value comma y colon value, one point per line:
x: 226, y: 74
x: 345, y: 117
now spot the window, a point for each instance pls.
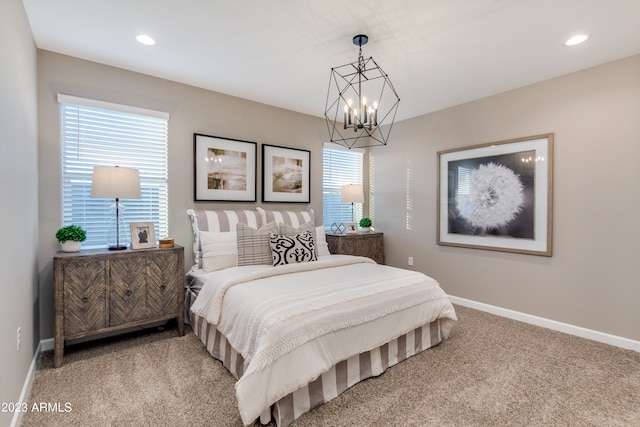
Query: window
x: 95, y: 133
x: 340, y: 166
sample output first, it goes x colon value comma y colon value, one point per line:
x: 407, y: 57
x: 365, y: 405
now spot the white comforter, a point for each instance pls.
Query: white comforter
x: 291, y: 323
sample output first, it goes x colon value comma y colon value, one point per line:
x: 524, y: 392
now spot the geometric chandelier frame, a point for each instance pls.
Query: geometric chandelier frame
x: 361, y: 103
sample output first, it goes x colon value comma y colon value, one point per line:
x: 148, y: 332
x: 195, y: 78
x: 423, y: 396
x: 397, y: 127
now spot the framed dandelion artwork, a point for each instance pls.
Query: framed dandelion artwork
x: 497, y: 196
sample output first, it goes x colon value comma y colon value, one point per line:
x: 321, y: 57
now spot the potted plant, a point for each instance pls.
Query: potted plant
x: 71, y: 237
x: 365, y: 224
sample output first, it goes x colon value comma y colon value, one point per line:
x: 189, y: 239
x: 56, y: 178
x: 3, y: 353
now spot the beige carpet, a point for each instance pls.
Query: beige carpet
x: 491, y: 372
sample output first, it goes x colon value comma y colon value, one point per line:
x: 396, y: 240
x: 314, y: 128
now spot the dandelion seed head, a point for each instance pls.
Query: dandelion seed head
x: 495, y: 197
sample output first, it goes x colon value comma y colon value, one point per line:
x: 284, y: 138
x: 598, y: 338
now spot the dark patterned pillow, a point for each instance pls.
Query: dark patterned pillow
x: 290, y: 230
x: 292, y: 249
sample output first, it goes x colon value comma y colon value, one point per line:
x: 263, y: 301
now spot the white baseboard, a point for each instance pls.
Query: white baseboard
x: 50, y: 344
x: 550, y: 324
x: 28, y: 382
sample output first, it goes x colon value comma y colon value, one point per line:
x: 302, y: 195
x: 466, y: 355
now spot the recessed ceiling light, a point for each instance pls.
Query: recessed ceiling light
x: 577, y: 39
x: 145, y: 40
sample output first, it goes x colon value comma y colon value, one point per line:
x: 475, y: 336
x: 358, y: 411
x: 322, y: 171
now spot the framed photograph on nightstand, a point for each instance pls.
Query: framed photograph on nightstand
x: 143, y: 235
x: 351, y: 228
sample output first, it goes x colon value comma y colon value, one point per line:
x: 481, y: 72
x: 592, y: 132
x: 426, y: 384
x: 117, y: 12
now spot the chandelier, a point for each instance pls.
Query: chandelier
x: 361, y: 102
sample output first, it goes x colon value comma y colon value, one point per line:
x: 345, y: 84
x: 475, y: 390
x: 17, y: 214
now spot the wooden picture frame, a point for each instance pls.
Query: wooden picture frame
x: 224, y: 169
x: 286, y: 174
x: 143, y: 235
x: 497, y: 196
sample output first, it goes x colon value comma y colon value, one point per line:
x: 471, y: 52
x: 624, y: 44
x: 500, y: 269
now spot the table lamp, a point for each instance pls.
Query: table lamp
x: 352, y: 193
x: 113, y: 182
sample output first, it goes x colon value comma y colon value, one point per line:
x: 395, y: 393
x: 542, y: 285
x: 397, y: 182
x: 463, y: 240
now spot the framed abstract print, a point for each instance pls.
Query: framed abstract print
x: 224, y: 169
x: 286, y: 174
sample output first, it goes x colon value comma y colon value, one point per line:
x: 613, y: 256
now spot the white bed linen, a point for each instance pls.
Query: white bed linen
x: 291, y: 323
x: 198, y: 277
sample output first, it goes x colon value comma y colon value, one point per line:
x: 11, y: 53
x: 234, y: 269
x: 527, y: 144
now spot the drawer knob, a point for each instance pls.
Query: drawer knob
x: 128, y: 292
x: 162, y: 287
x: 85, y: 298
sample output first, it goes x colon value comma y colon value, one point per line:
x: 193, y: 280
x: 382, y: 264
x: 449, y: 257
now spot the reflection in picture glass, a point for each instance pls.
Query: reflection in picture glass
x: 226, y: 169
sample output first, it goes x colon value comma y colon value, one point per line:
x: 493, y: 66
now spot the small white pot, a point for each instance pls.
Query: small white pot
x: 71, y: 246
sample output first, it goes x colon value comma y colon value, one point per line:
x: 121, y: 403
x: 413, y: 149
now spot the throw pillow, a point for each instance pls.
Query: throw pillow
x: 290, y: 230
x: 292, y: 249
x: 253, y: 245
x: 218, y: 250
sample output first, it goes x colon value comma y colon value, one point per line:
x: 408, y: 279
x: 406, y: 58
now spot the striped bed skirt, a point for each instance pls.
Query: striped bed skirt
x: 333, y: 382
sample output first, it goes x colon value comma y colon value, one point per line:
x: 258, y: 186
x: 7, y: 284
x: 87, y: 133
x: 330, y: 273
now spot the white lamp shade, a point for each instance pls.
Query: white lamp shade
x: 352, y: 193
x: 113, y: 182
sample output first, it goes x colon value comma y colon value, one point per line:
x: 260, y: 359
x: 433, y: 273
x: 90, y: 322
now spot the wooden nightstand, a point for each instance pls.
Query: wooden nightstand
x: 369, y: 244
x: 99, y: 291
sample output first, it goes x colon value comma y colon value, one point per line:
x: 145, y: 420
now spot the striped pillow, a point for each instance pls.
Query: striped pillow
x: 253, y: 245
x: 218, y: 221
x: 294, y: 218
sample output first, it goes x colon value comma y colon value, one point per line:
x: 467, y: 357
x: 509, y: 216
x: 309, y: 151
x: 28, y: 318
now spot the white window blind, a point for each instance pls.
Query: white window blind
x: 340, y: 167
x: 94, y: 133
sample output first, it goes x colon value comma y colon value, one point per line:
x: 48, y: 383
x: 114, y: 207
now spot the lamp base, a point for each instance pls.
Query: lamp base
x: 117, y: 248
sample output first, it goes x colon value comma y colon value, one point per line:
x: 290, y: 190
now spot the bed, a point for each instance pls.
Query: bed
x: 297, y: 334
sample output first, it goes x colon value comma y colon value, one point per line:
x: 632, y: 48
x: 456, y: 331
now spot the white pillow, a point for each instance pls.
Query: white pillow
x: 217, y: 221
x: 219, y: 250
x: 321, y: 241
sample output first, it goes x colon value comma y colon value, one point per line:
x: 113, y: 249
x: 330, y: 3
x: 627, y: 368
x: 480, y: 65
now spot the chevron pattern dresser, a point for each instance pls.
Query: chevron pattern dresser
x: 369, y: 244
x: 98, y: 291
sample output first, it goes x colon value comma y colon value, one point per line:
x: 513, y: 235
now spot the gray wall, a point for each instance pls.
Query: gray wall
x: 192, y: 110
x: 19, y: 197
x: 592, y: 279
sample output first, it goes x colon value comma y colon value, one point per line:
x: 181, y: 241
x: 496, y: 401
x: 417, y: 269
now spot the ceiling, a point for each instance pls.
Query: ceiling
x: 437, y: 53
